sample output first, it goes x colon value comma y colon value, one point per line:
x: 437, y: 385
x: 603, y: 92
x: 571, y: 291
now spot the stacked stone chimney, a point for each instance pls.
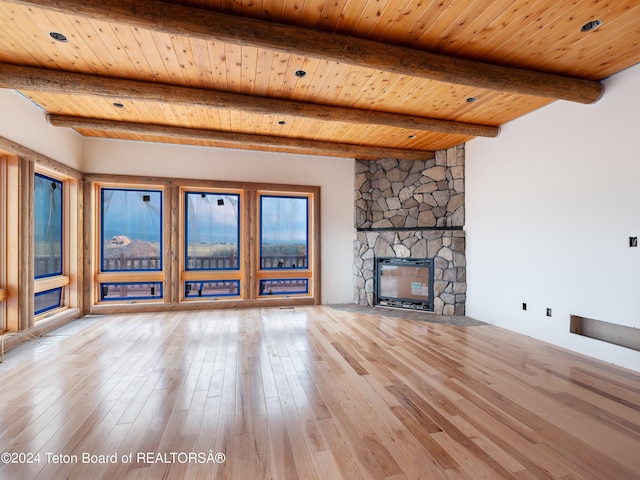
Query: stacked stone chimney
x: 412, y: 209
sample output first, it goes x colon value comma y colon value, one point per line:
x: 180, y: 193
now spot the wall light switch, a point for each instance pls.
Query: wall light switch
x: 633, y: 241
x: 548, y: 312
x: 524, y: 306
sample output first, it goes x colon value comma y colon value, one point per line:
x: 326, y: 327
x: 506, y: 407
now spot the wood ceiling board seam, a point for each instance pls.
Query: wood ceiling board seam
x: 166, y: 50
x: 200, y: 54
x: 291, y: 82
x: 185, y: 58
x: 392, y: 30
x: 330, y: 18
x: 216, y: 60
x: 108, y: 41
x: 274, y: 84
x: 502, y: 33
x: 620, y: 57
x: 458, y: 38
x: 277, y: 72
x: 243, y: 31
x: 525, y: 51
x: 356, y: 79
x: 348, y: 22
x: 232, y: 56
x: 364, y: 96
x: 303, y: 87
x: 249, y: 69
x: 251, y: 9
x: 333, y: 84
x: 450, y: 21
x: 82, y: 55
x: 146, y: 41
x: 548, y: 21
x: 225, y: 119
x: 20, y: 39
x: 293, y: 15
x: 270, y: 10
x: 500, y: 117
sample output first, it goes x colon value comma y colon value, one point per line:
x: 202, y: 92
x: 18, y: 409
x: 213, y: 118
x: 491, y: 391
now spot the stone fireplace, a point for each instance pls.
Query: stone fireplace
x: 412, y: 209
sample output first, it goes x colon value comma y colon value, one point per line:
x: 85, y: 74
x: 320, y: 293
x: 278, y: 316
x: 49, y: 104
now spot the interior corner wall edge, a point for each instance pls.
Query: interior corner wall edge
x: 23, y: 122
x: 550, y: 206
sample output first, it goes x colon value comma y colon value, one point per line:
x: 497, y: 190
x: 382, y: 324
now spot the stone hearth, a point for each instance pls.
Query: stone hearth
x: 412, y: 209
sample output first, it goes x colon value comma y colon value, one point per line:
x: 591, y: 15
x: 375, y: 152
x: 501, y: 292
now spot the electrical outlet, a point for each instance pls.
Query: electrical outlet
x: 548, y: 312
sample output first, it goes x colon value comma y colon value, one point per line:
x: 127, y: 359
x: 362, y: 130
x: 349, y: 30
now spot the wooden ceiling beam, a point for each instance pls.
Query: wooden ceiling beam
x: 291, y: 145
x: 219, y: 27
x: 55, y: 81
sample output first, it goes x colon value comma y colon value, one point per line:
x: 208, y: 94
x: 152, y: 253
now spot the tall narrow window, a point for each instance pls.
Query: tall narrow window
x: 48, y: 222
x: 48, y: 232
x: 131, y: 233
x: 284, y: 232
x: 131, y: 247
x: 212, y: 231
x: 212, y: 250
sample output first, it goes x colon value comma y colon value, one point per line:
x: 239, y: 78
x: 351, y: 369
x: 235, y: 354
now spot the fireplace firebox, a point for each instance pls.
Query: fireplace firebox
x: 404, y: 283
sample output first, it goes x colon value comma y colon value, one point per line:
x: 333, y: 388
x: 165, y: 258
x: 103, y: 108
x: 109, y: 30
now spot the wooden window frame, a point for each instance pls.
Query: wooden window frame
x: 133, y: 276
x: 287, y: 274
x: 174, y: 274
x: 213, y: 275
x: 70, y: 247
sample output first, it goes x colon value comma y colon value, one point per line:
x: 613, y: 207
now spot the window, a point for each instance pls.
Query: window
x: 40, y: 252
x: 130, y: 291
x: 130, y: 246
x: 212, y: 231
x: 47, y: 300
x: 50, y: 233
x: 131, y: 233
x: 48, y: 222
x: 212, y: 248
x: 284, y: 232
x: 198, y: 242
x: 284, y: 245
x: 215, y: 288
x: 280, y: 287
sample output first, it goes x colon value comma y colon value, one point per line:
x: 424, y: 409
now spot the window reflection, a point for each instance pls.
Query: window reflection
x: 47, y: 226
x: 131, y: 237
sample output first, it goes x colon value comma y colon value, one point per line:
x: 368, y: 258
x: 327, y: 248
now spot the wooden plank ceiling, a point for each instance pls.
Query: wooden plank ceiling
x: 349, y: 78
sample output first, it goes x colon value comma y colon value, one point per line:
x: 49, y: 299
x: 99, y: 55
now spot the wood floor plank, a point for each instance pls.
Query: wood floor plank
x: 314, y: 393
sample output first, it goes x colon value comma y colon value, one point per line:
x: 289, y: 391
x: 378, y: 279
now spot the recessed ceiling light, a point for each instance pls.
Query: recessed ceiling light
x: 118, y: 104
x: 592, y: 25
x: 58, y: 37
x: 300, y: 73
x: 471, y: 99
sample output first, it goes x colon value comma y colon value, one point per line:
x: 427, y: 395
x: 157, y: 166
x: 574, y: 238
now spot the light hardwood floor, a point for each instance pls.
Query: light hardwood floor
x: 315, y: 393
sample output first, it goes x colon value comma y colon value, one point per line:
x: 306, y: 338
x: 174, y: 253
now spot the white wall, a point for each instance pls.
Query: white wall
x: 335, y: 176
x: 23, y: 122
x: 550, y: 205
